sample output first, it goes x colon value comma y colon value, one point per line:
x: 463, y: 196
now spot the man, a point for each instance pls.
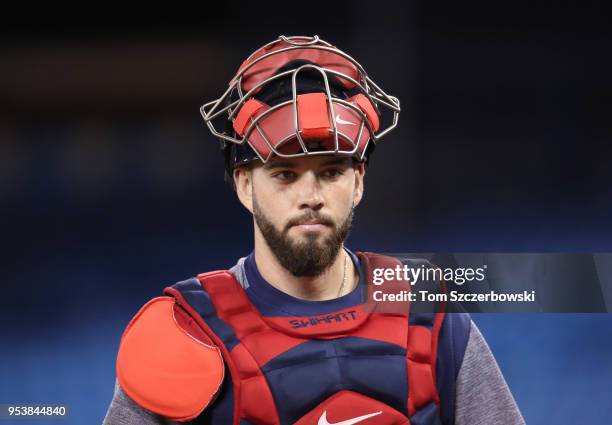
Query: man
x: 290, y: 334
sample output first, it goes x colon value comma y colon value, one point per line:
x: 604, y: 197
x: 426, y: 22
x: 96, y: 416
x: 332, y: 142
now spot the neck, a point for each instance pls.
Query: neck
x: 323, y: 287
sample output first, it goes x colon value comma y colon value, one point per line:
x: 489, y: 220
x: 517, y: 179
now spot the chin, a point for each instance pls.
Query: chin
x: 310, y: 234
x: 309, y: 237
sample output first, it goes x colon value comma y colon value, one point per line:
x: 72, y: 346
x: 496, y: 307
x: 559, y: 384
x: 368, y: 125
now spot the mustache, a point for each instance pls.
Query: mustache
x: 308, y: 217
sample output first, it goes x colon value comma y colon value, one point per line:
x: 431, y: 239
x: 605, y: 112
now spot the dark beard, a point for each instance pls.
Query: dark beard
x: 309, y: 258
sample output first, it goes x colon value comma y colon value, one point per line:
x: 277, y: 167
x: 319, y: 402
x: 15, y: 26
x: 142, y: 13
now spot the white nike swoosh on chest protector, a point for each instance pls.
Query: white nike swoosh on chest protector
x: 323, y: 419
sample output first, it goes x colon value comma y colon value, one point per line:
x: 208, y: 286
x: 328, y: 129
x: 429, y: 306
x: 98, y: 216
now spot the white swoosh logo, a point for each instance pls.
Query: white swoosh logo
x: 341, y: 121
x: 323, y: 419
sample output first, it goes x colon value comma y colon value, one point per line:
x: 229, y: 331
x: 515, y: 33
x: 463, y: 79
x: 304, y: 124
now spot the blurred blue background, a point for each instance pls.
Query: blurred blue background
x: 111, y: 187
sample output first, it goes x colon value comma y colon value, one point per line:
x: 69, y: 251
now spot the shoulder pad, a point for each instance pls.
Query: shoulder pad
x: 165, y: 369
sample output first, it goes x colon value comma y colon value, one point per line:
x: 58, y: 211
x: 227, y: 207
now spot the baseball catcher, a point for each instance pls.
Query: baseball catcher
x: 289, y: 335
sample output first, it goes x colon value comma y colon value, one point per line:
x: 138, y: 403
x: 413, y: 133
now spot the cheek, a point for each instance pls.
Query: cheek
x: 343, y: 199
x: 272, y: 204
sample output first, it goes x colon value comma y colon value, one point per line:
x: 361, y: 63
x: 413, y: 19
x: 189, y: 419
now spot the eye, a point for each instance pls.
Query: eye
x: 332, y: 173
x: 284, y: 175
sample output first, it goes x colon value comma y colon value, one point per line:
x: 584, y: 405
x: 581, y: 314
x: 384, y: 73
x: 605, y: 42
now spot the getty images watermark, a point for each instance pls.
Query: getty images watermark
x: 565, y: 282
x: 427, y: 283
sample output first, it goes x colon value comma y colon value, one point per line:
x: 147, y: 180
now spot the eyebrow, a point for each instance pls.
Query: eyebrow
x: 278, y: 164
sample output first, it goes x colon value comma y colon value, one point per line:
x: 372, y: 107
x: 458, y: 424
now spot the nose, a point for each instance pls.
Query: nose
x: 309, y: 192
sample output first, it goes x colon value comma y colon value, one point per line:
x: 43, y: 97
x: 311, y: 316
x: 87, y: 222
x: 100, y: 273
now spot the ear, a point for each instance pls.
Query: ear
x: 243, y: 180
x: 359, y: 169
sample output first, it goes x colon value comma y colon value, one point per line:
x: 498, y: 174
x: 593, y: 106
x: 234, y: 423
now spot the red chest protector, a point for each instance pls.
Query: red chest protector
x: 360, y: 365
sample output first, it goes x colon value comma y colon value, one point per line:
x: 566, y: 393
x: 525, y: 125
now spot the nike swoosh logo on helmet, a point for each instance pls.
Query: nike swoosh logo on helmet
x: 341, y: 121
x: 323, y: 419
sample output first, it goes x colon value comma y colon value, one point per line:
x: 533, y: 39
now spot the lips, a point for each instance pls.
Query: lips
x: 314, y: 226
x: 309, y: 223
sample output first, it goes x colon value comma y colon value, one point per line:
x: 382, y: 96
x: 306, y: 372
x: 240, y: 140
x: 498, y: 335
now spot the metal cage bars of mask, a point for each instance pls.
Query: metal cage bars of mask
x: 366, y: 86
x: 297, y: 132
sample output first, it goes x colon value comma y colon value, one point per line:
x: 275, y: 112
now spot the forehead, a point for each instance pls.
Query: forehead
x: 307, y: 162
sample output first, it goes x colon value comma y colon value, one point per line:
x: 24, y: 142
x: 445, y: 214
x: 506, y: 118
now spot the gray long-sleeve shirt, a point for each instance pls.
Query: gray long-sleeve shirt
x: 482, y: 396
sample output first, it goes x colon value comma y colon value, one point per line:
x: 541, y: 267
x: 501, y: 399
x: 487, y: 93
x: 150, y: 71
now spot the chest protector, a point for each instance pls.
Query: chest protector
x: 204, y: 353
